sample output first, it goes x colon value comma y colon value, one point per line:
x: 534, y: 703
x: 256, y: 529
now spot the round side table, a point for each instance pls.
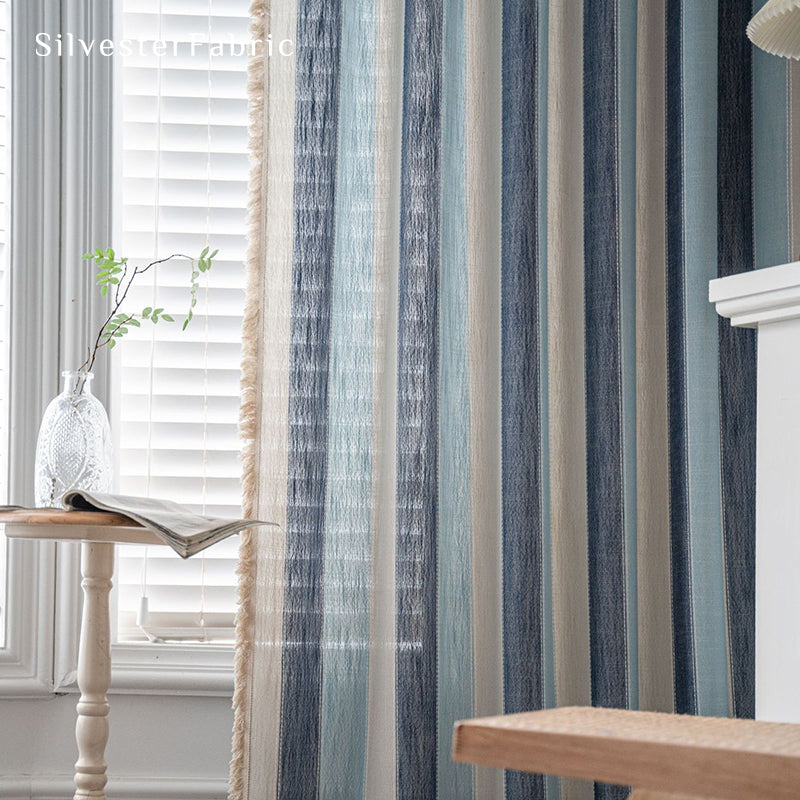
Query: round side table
x: 98, y: 533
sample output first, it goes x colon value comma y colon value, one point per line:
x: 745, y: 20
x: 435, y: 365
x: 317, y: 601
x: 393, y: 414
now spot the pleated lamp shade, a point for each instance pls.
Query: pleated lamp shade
x: 776, y: 28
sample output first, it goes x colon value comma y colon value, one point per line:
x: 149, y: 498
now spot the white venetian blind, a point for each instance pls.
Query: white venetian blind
x: 5, y: 189
x: 184, y: 186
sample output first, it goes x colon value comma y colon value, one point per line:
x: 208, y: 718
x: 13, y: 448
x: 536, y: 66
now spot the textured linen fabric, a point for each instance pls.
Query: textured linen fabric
x: 509, y: 444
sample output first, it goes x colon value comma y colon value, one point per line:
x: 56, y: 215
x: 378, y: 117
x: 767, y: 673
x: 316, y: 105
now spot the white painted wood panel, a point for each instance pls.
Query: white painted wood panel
x: 769, y: 300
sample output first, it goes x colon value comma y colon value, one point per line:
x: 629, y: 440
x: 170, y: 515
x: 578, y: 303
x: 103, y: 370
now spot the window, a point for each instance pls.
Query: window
x: 5, y: 132
x: 183, y: 180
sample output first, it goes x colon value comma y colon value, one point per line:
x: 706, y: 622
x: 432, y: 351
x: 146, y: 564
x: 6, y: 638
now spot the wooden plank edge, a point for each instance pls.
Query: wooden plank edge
x: 58, y: 516
x: 655, y: 766
x: 646, y: 794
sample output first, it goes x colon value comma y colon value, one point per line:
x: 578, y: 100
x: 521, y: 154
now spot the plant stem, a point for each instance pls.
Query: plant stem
x: 161, y: 261
x: 118, y: 301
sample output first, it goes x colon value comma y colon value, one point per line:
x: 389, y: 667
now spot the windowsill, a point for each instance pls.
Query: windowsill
x: 205, y: 670
x: 192, y: 670
x: 200, y: 670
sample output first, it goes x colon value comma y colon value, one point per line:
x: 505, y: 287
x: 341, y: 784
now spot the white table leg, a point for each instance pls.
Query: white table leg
x: 94, y: 671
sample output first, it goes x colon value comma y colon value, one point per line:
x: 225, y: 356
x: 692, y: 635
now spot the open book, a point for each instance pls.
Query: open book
x: 184, y: 531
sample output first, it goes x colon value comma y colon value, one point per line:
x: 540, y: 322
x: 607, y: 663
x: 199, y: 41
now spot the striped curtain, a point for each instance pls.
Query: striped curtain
x: 509, y: 444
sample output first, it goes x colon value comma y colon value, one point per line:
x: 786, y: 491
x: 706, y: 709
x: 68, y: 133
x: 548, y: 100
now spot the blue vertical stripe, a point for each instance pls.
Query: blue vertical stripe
x: 348, y: 512
x: 316, y: 111
x: 737, y: 347
x: 770, y: 192
x: 417, y: 402
x: 681, y: 567
x: 455, y: 533
x: 520, y: 381
x: 626, y: 115
x: 604, y: 456
x: 702, y: 400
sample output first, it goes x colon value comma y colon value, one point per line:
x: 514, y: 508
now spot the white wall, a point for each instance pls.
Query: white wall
x: 159, y: 748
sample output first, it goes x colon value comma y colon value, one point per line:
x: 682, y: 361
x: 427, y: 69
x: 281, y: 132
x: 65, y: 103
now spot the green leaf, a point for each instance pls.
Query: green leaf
x: 87, y: 256
x: 204, y: 253
x: 213, y: 254
x: 185, y: 324
x: 158, y: 310
x: 104, y: 291
x: 194, y: 302
x: 147, y: 311
x: 110, y: 253
x: 135, y: 322
x: 111, y: 344
x: 167, y: 318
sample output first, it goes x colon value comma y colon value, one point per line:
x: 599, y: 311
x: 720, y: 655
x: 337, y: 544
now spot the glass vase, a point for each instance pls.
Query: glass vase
x: 74, y: 446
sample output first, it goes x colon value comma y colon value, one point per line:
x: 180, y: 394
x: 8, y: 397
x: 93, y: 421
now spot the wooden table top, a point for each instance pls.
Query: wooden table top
x: 87, y: 526
x: 703, y: 756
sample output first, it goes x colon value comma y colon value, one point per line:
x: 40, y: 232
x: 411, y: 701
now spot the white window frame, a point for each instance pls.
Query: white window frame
x: 26, y: 660
x: 61, y: 214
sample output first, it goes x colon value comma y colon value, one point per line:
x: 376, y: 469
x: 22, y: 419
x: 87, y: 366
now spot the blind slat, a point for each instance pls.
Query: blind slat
x: 185, y: 174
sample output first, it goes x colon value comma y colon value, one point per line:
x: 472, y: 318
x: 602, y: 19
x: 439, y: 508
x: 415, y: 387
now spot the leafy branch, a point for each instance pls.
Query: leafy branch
x: 114, y: 274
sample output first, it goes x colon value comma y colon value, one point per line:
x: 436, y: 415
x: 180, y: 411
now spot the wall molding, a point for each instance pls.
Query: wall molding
x: 61, y: 786
x: 757, y: 296
x: 26, y: 659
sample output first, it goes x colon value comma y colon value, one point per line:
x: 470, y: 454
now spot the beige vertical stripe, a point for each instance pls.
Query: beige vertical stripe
x: 794, y: 158
x: 266, y: 391
x: 652, y: 448
x: 566, y: 363
x: 381, y: 772
x: 484, y: 164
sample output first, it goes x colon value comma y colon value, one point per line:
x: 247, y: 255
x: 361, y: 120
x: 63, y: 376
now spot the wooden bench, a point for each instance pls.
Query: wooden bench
x: 660, y: 755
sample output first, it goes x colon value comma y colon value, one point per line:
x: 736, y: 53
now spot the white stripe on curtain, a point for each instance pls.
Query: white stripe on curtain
x: 380, y: 745
x: 483, y: 133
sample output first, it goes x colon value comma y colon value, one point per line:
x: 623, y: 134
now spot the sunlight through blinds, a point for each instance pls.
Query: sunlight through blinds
x: 184, y: 185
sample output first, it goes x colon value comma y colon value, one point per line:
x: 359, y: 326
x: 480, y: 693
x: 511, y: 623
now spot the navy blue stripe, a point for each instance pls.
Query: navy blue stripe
x: 604, y: 458
x: 683, y: 649
x: 417, y: 402
x: 737, y: 347
x: 608, y: 632
x: 316, y: 112
x: 523, y: 672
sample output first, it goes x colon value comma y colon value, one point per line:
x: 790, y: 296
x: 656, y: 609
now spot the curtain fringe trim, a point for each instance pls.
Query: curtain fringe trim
x: 248, y: 415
